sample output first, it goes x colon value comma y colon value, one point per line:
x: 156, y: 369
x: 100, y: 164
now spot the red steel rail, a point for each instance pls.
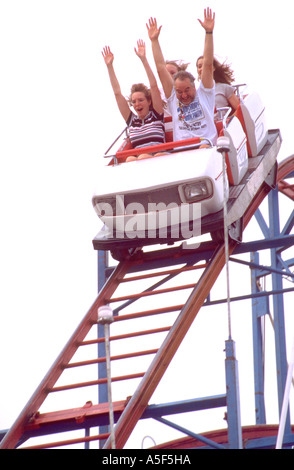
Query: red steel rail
x: 13, y: 436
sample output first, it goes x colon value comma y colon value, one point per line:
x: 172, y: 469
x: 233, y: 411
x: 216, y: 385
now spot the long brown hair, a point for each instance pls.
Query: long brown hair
x: 222, y: 72
x: 179, y: 64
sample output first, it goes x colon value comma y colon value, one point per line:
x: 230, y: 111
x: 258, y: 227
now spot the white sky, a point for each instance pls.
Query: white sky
x: 58, y: 116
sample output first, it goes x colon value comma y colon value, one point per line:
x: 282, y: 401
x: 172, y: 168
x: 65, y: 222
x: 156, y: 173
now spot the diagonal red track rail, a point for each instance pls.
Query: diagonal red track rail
x: 141, y: 397
x: 11, y: 439
x: 285, y: 168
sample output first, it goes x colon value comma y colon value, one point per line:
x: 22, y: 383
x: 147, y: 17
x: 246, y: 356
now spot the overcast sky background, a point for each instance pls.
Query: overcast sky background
x: 58, y: 116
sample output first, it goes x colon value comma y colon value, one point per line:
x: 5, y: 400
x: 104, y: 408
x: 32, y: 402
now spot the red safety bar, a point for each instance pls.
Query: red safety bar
x: 158, y: 148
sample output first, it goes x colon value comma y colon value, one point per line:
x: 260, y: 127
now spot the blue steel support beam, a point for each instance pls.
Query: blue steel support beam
x: 258, y: 310
x: 278, y: 305
x: 198, y: 437
x: 233, y: 399
x: 102, y: 257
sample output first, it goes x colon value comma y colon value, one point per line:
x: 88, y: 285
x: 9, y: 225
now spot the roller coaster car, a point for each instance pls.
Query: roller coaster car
x: 181, y: 194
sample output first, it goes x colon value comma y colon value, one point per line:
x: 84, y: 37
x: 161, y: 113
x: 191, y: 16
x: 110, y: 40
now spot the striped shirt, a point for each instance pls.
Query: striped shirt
x: 149, y: 131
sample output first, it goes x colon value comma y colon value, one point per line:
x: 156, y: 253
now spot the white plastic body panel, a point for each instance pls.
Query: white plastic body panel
x: 237, y: 158
x: 167, y: 173
x: 254, y: 123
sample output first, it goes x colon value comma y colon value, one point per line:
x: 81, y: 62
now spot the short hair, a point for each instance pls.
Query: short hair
x: 182, y: 75
x: 141, y: 88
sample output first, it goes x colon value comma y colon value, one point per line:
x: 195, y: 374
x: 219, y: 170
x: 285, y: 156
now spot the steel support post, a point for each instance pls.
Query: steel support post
x: 233, y: 399
x: 258, y: 311
x: 278, y: 305
x: 102, y: 263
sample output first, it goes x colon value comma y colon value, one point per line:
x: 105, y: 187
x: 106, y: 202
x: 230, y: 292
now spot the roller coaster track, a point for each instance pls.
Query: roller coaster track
x: 32, y: 422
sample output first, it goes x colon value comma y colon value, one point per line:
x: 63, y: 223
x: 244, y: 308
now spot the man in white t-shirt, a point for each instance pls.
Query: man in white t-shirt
x: 192, y: 110
x: 192, y: 116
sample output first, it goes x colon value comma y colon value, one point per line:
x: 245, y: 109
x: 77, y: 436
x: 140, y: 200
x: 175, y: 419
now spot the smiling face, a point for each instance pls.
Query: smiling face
x: 185, y: 90
x: 199, y: 66
x: 141, y: 104
x: 172, y: 69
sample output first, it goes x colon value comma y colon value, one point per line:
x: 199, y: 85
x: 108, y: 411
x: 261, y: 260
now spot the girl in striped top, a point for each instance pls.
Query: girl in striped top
x: 147, y: 126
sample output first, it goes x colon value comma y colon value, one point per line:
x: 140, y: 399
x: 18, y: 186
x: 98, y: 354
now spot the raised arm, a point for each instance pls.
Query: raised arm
x: 164, y: 75
x: 120, y: 99
x: 207, y: 69
x: 155, y: 92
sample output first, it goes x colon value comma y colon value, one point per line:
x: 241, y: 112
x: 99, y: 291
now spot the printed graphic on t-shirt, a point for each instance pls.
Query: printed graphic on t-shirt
x: 190, y: 116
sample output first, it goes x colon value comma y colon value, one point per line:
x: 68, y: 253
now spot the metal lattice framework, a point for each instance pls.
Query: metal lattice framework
x: 206, y: 263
